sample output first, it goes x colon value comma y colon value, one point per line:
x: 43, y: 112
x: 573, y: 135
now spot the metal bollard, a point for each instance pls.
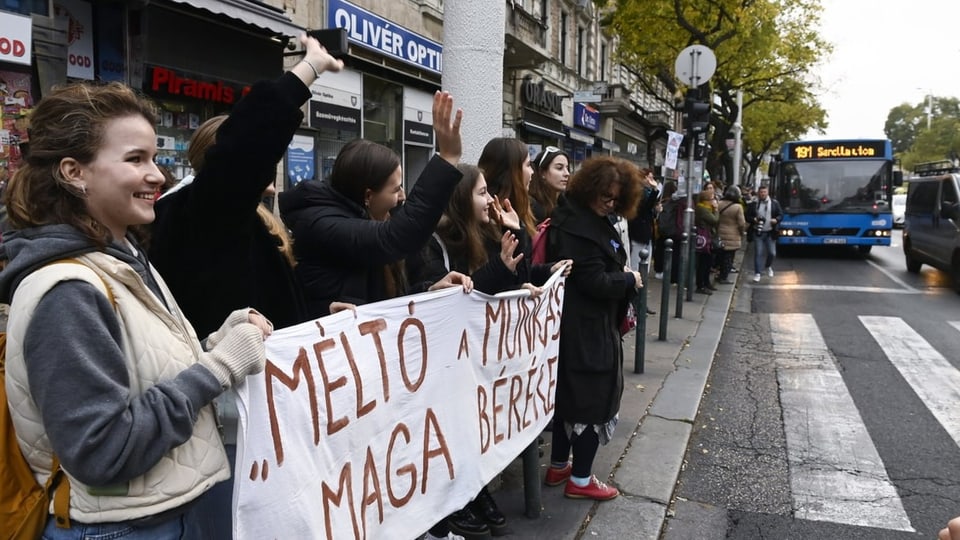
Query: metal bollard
x: 531, y: 480
x: 681, y: 276
x: 692, y: 265
x: 640, y: 306
x: 665, y: 289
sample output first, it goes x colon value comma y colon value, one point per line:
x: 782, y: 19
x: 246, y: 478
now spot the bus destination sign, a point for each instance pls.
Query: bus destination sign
x: 836, y: 150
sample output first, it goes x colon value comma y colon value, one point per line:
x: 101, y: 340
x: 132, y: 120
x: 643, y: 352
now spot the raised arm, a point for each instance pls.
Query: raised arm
x: 250, y: 143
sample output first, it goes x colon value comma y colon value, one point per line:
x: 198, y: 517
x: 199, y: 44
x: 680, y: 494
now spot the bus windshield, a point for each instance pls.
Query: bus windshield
x: 835, y: 186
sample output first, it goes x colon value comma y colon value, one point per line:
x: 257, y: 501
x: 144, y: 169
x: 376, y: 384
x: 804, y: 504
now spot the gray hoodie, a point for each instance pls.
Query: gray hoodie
x: 77, y: 364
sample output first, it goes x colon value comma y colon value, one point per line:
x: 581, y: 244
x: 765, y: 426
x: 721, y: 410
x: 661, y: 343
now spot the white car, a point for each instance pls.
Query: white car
x: 898, y: 209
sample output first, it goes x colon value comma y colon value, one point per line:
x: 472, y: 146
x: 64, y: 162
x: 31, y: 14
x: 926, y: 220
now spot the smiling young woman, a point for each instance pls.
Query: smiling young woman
x: 132, y: 424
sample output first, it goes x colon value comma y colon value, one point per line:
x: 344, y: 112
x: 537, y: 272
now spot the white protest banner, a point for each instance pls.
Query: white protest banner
x: 379, y: 424
x: 673, y: 149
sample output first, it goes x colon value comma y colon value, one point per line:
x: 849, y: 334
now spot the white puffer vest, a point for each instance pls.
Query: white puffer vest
x: 158, y: 345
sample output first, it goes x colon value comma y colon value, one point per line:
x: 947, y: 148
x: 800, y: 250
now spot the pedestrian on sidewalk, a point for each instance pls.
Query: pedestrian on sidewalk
x: 596, y: 296
x: 763, y: 215
x: 669, y: 226
x: 731, y: 228
x: 706, y: 219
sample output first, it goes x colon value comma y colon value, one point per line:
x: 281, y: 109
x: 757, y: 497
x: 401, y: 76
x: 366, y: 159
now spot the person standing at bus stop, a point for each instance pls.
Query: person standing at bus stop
x: 763, y: 215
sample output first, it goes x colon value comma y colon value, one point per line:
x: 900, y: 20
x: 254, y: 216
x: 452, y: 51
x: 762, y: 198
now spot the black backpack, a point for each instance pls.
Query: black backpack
x: 667, y: 221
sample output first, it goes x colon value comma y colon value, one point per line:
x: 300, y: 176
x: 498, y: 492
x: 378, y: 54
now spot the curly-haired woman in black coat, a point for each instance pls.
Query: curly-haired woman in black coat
x: 596, y: 297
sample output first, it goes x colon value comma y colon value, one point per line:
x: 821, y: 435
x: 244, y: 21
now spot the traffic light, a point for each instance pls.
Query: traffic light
x: 696, y: 117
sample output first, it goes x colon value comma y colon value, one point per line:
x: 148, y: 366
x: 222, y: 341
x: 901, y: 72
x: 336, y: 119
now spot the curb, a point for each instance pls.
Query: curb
x: 650, y: 465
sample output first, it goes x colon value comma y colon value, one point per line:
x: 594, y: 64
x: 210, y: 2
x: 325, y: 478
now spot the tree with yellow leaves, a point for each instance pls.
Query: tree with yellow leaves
x: 768, y: 49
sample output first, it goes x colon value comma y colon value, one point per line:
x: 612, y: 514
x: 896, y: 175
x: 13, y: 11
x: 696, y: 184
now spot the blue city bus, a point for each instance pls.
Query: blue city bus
x: 835, y: 192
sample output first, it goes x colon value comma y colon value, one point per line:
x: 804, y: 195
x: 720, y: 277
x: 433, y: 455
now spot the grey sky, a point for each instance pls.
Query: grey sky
x: 886, y: 52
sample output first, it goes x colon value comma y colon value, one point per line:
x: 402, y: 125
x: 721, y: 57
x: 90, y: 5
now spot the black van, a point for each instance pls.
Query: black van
x: 931, y: 230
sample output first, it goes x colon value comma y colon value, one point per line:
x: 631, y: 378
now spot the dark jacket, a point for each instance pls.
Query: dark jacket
x: 751, y: 216
x: 208, y: 242
x: 341, y: 252
x: 640, y: 228
x: 539, y: 212
x: 596, y: 295
x: 428, y: 267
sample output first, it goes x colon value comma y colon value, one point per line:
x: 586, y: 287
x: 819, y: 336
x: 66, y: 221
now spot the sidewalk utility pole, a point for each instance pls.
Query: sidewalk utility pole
x: 738, y: 139
x: 694, y: 67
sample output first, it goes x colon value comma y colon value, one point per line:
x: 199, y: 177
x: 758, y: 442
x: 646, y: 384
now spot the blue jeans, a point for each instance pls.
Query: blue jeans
x: 172, y: 529
x: 765, y: 249
x: 211, y: 518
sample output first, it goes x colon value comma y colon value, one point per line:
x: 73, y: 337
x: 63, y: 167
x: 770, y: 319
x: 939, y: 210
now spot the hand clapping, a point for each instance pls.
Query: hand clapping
x: 504, y: 214
x: 508, y: 245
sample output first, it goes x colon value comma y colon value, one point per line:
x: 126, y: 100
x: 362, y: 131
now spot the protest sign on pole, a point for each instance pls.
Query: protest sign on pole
x: 673, y: 149
x: 379, y: 424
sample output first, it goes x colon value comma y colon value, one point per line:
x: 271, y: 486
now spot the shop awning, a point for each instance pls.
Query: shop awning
x: 607, y: 144
x: 536, y: 128
x: 581, y: 136
x: 252, y: 13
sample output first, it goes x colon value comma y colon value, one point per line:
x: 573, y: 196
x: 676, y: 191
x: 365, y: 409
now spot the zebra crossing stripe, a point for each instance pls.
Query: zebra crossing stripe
x: 931, y: 376
x: 836, y: 473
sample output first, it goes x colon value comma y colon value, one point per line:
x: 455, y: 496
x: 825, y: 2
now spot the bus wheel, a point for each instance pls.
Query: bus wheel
x: 864, y: 250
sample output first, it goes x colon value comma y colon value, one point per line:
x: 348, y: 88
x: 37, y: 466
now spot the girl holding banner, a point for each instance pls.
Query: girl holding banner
x: 478, y: 237
x: 351, y: 230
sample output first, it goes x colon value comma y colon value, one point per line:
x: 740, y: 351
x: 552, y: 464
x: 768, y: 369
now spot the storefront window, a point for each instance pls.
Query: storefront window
x: 176, y: 123
x: 16, y: 100
x: 383, y: 112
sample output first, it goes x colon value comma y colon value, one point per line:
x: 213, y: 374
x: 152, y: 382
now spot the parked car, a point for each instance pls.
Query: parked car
x: 899, y: 208
x: 931, y: 230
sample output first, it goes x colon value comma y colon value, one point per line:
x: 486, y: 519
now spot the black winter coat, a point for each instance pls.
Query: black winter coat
x: 428, y: 268
x: 596, y: 295
x: 341, y: 252
x: 640, y: 228
x: 208, y: 242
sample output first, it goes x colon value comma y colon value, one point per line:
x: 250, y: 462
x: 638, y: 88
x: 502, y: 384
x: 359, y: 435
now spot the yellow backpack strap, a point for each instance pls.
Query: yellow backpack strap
x: 113, y: 300
x: 57, y: 481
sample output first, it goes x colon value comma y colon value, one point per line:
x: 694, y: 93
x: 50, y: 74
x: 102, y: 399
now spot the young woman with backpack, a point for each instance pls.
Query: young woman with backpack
x: 104, y: 371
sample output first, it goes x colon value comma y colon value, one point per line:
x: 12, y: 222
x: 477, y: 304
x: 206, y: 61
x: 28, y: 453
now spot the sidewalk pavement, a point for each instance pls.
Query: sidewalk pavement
x: 657, y: 413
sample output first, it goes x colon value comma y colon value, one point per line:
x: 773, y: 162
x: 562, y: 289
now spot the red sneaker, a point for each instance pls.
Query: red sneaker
x: 556, y: 476
x: 595, y: 490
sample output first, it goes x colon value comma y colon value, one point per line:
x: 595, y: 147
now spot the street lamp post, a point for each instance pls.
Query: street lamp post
x: 928, y: 97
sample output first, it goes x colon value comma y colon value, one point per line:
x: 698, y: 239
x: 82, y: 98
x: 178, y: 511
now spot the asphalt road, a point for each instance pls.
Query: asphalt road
x: 833, y: 407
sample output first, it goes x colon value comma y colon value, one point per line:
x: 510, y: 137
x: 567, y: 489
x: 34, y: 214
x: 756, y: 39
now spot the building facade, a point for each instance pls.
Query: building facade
x: 561, y: 85
x: 220, y: 49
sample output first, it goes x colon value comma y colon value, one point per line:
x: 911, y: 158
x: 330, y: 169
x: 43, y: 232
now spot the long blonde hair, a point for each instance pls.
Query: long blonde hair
x: 203, y: 138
